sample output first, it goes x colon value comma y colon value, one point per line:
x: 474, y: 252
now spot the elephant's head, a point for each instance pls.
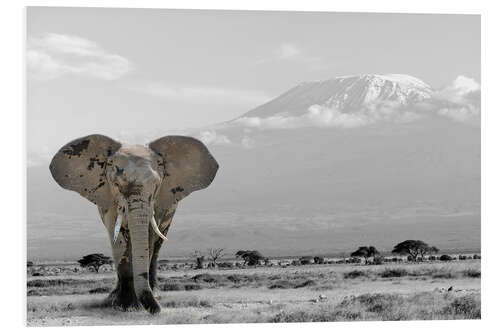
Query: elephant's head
x: 141, y: 182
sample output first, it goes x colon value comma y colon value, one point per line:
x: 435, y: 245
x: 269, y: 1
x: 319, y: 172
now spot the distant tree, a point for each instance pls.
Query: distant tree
x: 95, y: 260
x: 365, y: 252
x: 306, y: 260
x: 319, y: 260
x: 414, y: 248
x: 215, y: 254
x: 445, y: 257
x: 378, y: 260
x: 250, y: 257
x: 199, y: 259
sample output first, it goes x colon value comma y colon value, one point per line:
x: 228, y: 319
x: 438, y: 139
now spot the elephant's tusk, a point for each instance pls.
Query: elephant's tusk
x: 117, y: 227
x: 156, y: 229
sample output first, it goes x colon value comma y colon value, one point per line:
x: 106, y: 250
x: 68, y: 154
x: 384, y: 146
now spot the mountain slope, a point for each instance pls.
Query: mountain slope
x: 346, y: 93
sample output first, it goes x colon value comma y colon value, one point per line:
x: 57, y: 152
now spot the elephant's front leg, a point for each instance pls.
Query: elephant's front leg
x: 155, y: 244
x: 123, y: 296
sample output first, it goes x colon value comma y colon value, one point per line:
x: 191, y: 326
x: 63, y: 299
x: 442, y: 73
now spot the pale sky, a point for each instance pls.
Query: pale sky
x: 124, y: 72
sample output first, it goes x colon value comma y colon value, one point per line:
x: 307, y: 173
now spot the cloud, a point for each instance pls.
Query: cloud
x: 54, y: 55
x: 320, y: 116
x: 247, y: 142
x: 201, y: 94
x: 291, y: 52
x: 288, y: 51
x: 210, y: 137
x: 460, y: 101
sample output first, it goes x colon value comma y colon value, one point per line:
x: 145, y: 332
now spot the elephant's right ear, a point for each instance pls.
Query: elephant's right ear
x: 80, y: 166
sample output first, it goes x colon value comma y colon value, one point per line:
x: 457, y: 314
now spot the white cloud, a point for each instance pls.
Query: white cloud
x: 202, y: 94
x: 288, y: 50
x: 247, y: 142
x: 320, y: 116
x: 210, y: 137
x: 53, y: 55
x: 460, y: 101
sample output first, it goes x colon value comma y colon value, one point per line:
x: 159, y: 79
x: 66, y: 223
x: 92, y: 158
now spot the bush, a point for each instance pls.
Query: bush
x: 319, y: 260
x: 281, y: 284
x: 472, y: 273
x: 378, y: 260
x: 306, y: 283
x: 306, y: 260
x: 100, y: 290
x: 192, y: 286
x: 393, y: 272
x: 209, y: 278
x: 445, y: 257
x: 172, y: 286
x: 355, y: 274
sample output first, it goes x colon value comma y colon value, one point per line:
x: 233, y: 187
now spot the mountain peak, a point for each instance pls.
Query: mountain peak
x: 347, y: 93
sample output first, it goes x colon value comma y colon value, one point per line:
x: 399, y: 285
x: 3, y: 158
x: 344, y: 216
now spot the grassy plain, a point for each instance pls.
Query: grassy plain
x: 338, y: 292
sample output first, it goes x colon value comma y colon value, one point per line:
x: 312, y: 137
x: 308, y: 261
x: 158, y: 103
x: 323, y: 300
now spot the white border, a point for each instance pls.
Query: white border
x: 13, y: 240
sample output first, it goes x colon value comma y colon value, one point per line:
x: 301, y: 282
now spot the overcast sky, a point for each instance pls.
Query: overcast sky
x: 124, y: 72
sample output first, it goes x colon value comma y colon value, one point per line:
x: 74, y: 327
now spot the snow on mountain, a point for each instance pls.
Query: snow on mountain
x: 347, y: 93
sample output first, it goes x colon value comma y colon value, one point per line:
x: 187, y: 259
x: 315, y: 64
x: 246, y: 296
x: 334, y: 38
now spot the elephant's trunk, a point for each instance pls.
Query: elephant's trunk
x: 139, y: 221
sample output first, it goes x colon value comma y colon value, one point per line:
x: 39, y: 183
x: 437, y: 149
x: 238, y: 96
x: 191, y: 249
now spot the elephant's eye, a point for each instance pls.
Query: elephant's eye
x: 119, y: 171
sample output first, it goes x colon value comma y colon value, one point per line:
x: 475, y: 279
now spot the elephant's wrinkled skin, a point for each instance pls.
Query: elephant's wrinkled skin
x: 136, y: 189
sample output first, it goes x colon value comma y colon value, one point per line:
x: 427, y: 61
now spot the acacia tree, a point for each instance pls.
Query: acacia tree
x: 414, y: 248
x: 95, y: 260
x: 250, y: 257
x: 365, y: 252
x: 215, y: 254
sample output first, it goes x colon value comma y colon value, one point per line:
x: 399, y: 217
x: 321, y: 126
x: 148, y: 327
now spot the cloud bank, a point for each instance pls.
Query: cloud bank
x: 210, y: 137
x: 460, y: 101
x: 321, y: 116
x: 53, y: 55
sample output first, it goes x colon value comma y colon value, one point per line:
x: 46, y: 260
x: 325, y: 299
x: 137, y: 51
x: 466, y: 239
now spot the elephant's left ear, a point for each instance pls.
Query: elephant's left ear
x: 189, y: 167
x: 80, y: 166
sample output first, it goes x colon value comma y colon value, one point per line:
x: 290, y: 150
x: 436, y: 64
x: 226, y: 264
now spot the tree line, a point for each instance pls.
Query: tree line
x: 415, y: 250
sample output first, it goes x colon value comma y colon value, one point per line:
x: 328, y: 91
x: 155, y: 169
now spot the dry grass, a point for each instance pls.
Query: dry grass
x: 386, y: 292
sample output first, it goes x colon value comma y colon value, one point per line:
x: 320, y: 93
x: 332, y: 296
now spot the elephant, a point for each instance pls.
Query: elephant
x: 136, y: 189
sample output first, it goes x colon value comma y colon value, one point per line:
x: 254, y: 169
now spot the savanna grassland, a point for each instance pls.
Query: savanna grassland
x: 332, y: 292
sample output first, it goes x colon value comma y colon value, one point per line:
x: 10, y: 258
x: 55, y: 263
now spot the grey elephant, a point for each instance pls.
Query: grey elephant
x: 136, y: 189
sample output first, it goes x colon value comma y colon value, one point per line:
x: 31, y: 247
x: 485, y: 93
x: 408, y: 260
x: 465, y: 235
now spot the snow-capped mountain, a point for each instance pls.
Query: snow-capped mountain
x: 347, y: 93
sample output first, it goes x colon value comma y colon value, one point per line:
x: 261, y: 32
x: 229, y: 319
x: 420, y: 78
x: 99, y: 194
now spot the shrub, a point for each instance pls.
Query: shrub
x: 472, y: 273
x: 445, y: 257
x: 172, y: 286
x: 282, y: 284
x: 355, y: 274
x: 393, y: 272
x: 209, y: 278
x: 306, y: 260
x: 443, y: 275
x: 192, y: 286
x: 378, y: 260
x: 306, y: 283
x: 319, y: 260
x: 100, y: 290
